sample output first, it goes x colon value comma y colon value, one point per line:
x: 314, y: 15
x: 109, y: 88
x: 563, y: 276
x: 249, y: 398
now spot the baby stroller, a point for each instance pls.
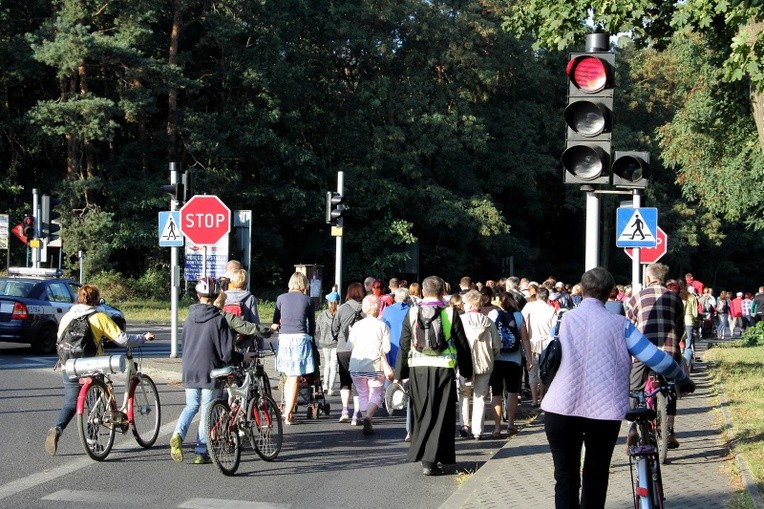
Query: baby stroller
x: 310, y: 391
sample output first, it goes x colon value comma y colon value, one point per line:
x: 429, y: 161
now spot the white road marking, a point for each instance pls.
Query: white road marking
x: 97, y: 497
x: 214, y: 503
x: 38, y: 478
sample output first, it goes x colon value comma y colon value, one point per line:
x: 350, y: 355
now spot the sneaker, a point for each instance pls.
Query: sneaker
x: 354, y: 420
x: 345, y: 417
x: 368, y: 429
x: 465, y: 432
x: 176, y: 448
x: 672, y: 442
x: 202, y: 459
x: 51, y: 441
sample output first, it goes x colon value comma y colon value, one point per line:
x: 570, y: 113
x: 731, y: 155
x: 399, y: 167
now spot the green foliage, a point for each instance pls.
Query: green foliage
x: 754, y: 336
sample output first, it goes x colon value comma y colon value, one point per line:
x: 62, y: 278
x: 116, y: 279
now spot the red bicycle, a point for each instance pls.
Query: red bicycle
x: 99, y: 418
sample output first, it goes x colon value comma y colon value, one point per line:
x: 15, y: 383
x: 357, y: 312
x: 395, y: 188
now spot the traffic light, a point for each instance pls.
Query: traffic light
x: 334, y: 208
x: 631, y: 169
x: 49, y: 226
x: 589, y: 116
x: 28, y: 224
x: 188, y: 186
x: 174, y: 190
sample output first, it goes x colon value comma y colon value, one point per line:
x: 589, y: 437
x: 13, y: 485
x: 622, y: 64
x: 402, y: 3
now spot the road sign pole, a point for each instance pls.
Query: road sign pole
x: 338, y: 239
x: 592, y: 229
x: 174, y: 275
x: 636, y: 281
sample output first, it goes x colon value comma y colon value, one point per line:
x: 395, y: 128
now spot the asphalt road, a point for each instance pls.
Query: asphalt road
x: 322, y: 464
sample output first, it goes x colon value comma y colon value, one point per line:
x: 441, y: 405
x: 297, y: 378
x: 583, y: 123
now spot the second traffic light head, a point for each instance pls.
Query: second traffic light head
x: 334, y: 207
x: 631, y: 169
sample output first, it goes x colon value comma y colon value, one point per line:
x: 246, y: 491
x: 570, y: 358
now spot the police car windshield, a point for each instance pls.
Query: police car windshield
x: 15, y: 288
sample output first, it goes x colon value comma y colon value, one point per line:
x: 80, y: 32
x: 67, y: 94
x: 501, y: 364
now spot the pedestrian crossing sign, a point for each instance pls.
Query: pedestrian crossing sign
x: 636, y: 227
x: 169, y: 230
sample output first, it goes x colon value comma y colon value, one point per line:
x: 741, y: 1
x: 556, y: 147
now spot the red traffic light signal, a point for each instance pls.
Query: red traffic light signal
x: 588, y: 118
x: 28, y: 225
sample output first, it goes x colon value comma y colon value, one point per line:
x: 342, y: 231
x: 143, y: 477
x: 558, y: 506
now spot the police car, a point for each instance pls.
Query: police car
x: 32, y: 302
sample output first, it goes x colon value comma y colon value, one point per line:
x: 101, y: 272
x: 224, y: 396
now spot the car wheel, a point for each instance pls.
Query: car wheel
x: 45, y: 343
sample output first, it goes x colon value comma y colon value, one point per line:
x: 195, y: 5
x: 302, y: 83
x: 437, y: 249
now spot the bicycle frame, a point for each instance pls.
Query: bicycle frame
x: 648, y: 489
x: 126, y: 408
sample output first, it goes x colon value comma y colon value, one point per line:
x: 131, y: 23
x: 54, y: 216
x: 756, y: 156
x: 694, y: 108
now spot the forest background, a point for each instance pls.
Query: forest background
x: 445, y: 117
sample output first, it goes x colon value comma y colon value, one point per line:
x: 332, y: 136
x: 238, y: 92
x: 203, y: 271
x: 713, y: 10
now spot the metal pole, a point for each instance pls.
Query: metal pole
x: 174, y: 275
x: 636, y: 281
x: 82, y: 266
x: 36, y: 215
x: 338, y: 239
x: 592, y: 230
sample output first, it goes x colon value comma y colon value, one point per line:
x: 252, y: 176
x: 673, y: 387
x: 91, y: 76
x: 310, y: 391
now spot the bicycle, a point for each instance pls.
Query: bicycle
x: 647, y: 490
x: 657, y: 398
x: 99, y: 418
x: 250, y: 412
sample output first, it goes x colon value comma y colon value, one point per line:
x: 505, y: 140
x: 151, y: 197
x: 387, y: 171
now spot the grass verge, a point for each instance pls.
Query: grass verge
x: 158, y: 311
x: 739, y: 367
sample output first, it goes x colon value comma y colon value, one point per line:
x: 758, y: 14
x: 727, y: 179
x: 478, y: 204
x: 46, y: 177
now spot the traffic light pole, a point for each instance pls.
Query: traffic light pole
x: 591, y: 258
x: 174, y: 275
x: 338, y: 239
x: 36, y: 215
x: 636, y: 280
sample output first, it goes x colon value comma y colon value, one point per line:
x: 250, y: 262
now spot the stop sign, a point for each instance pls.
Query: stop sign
x: 205, y: 219
x: 652, y: 254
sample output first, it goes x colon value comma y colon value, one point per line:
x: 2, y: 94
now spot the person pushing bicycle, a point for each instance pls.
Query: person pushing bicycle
x: 101, y: 326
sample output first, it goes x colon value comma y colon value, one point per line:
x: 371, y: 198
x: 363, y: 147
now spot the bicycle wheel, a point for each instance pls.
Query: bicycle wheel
x: 96, y: 436
x: 267, y: 428
x: 661, y: 426
x: 223, y: 444
x: 146, y: 411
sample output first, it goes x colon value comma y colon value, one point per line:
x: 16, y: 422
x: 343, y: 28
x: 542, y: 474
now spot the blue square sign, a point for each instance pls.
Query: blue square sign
x: 636, y: 227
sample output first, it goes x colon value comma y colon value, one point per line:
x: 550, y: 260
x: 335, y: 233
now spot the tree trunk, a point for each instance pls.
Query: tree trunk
x: 753, y: 29
x: 172, y: 99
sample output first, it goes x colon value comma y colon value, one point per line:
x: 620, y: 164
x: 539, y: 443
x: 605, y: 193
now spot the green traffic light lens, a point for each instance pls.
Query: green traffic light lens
x: 584, y: 162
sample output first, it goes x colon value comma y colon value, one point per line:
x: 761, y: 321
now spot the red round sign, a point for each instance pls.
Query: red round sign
x: 205, y: 219
x: 652, y: 254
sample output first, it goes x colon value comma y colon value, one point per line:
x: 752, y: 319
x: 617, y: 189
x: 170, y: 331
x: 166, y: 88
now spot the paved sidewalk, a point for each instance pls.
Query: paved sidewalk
x: 521, y: 474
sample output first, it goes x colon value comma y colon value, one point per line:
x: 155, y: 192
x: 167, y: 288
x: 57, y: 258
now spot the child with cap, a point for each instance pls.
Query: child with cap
x: 326, y: 341
x: 208, y: 343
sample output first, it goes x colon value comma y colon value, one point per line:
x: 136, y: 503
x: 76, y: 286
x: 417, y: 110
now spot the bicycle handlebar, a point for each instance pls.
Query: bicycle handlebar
x: 663, y: 388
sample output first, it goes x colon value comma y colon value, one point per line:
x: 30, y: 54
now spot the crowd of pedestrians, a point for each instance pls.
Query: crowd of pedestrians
x: 456, y: 353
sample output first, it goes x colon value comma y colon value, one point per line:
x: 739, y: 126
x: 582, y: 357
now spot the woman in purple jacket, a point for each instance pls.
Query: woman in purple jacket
x: 589, y: 396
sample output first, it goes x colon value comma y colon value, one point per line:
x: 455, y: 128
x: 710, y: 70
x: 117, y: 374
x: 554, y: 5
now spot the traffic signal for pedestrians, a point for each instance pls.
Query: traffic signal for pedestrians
x: 589, y: 117
x: 28, y: 225
x: 631, y: 169
x: 334, y: 208
x: 49, y: 224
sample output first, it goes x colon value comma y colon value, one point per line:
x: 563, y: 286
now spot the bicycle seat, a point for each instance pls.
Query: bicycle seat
x: 222, y: 372
x: 647, y: 414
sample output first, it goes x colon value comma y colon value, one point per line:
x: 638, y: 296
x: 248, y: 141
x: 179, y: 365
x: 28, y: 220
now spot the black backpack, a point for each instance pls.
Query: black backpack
x: 77, y: 340
x: 508, y: 332
x: 429, y: 336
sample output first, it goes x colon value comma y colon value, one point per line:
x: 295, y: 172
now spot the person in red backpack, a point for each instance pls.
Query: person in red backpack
x: 239, y: 301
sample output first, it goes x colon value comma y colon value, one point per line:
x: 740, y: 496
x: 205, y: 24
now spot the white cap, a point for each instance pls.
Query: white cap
x: 739, y: 294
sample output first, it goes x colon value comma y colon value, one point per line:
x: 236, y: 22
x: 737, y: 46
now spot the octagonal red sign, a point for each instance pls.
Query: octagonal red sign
x: 205, y: 219
x: 652, y: 254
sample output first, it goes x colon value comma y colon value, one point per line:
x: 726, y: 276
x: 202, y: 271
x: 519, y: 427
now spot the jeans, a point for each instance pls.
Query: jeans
x: 721, y: 329
x: 689, y: 330
x: 71, y: 391
x: 195, y: 397
x: 566, y: 435
x: 330, y: 366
